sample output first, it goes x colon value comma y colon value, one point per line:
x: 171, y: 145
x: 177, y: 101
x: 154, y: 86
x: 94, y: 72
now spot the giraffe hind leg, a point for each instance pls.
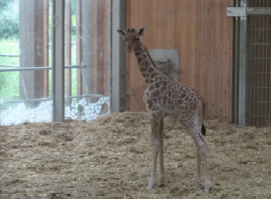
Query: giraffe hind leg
x: 190, y: 124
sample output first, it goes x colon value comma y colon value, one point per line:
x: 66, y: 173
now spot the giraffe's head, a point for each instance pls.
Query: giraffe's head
x: 132, y: 37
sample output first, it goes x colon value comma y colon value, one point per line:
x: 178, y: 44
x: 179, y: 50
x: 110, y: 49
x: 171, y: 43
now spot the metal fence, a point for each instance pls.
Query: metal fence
x: 17, y: 105
x: 259, y: 65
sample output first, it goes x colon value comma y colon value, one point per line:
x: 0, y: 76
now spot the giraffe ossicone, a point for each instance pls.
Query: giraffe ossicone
x: 165, y: 96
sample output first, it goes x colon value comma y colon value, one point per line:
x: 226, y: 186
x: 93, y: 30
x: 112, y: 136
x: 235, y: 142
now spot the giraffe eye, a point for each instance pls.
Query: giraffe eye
x: 137, y: 38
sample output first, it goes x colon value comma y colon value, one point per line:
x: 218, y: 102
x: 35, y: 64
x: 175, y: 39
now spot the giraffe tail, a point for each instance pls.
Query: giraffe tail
x: 203, y: 129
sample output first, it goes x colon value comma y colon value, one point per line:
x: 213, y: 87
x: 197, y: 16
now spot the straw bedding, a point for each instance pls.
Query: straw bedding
x: 110, y: 157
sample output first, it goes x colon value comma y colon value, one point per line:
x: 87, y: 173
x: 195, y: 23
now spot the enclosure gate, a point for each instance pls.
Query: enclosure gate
x: 252, y: 64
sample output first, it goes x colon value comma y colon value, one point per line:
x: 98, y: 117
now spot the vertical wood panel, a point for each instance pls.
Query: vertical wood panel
x: 137, y: 85
x: 170, y: 26
x: 202, y: 33
x: 98, y: 21
x: 106, y: 45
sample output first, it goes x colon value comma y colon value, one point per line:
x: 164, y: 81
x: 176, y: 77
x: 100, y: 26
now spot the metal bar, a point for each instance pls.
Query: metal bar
x: 117, y: 60
x: 236, y: 11
x: 58, y: 60
x: 242, y: 68
x: 261, y: 43
x: 1, y: 65
x: 250, y: 32
x: 39, y: 68
x: 68, y: 50
x: 269, y: 77
x: 48, y: 99
x: 257, y: 53
x: 46, y: 47
x: 259, y: 11
x: 252, y: 75
x: 243, y: 12
x: 236, y: 66
x: 9, y: 55
x: 110, y: 38
x: 266, y: 65
x: 78, y: 46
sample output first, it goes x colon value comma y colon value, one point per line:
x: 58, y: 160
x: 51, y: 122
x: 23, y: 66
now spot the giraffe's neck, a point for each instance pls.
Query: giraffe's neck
x: 146, y: 65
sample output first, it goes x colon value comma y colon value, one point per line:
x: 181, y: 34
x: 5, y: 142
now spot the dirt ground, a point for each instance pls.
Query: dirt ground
x: 110, y: 158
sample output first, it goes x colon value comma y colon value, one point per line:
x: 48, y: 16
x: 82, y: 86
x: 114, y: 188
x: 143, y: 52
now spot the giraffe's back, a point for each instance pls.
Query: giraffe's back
x: 171, y: 98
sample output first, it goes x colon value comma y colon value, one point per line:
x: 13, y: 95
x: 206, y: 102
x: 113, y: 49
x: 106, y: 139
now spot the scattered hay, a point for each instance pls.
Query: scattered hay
x: 110, y: 158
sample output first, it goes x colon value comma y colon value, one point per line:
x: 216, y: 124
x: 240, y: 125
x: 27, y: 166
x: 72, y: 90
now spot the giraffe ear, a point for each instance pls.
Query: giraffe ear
x: 121, y: 32
x: 142, y: 31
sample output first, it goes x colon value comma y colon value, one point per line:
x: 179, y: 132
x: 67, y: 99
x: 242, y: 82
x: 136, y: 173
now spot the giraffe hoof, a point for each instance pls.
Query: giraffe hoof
x: 149, y: 187
x: 161, y: 181
x: 151, y: 184
x: 207, y: 187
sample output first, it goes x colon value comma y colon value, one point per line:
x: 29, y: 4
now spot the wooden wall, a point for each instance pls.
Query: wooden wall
x: 204, y: 36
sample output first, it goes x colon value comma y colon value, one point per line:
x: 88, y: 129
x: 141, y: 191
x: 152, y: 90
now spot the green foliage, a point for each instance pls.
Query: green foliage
x: 9, y: 81
x: 9, y: 23
x: 9, y: 28
x: 73, y: 7
x: 73, y: 28
x: 3, y: 4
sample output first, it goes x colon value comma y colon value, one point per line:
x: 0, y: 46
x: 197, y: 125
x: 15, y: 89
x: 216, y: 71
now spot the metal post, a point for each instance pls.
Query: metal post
x: 117, y: 56
x: 242, y: 68
x: 236, y: 67
x: 58, y: 61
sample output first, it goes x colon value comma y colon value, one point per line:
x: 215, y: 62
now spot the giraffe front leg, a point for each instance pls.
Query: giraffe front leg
x: 161, y: 152
x: 155, y: 144
x: 152, y: 179
x: 198, y: 162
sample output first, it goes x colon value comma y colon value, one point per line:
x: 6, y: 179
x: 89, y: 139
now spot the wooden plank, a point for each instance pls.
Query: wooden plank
x: 78, y: 46
x: 137, y: 85
x: 95, y: 47
x: 170, y: 26
x: 202, y: 60
x: 213, y: 48
x: 106, y: 51
x: 182, y: 38
x: 192, y: 43
x: 198, y: 64
x: 206, y: 59
x: 228, y: 56
x: 128, y: 93
x: 68, y: 79
x: 106, y: 47
x: 218, y: 91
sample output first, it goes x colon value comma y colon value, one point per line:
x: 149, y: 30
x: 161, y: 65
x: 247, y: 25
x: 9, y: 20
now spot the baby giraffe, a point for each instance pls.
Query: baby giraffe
x: 164, y: 96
